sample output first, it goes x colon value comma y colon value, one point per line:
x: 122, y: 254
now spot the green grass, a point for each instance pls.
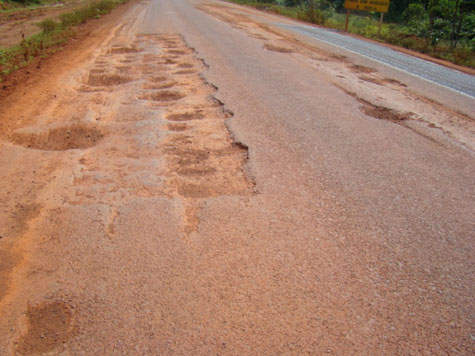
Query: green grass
x: 367, y: 26
x: 310, y: 15
x: 13, y: 6
x: 53, y: 34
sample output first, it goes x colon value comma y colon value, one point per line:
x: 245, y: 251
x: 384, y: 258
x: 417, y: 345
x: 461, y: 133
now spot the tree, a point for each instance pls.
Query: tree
x: 416, y: 19
x: 459, y: 12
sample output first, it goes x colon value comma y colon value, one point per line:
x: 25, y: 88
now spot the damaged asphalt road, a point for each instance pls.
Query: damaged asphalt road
x: 193, y: 180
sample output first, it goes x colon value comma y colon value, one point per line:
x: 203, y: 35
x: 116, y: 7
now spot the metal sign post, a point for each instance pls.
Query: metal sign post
x: 347, y: 19
x: 380, y: 24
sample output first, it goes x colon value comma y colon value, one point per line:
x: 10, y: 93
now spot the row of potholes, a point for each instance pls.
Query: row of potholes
x: 81, y: 136
x: 196, y: 166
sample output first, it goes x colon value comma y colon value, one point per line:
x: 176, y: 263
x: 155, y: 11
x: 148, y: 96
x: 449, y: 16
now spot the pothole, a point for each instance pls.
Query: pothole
x: 371, y: 80
x: 59, y: 138
x: 394, y: 81
x: 190, y: 156
x: 162, y: 96
x: 177, y: 127
x: 158, y: 79
x: 8, y: 261
x: 149, y: 58
x: 49, y: 327
x: 379, y: 112
x: 107, y: 79
x: 176, y: 51
x: 190, y: 190
x: 147, y: 69
x: 361, y: 69
x: 123, y: 50
x: 97, y: 71
x: 185, y: 65
x: 167, y: 85
x: 123, y: 69
x: 168, y: 61
x: 382, y: 113
x: 279, y: 49
x: 187, y: 116
x: 171, y: 45
x: 182, y: 72
x: 196, y: 171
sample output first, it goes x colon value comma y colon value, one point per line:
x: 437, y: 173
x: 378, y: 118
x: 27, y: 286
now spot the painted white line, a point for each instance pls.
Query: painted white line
x: 379, y: 61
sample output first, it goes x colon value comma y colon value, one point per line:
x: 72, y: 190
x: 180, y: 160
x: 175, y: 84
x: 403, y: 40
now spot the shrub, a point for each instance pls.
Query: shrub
x: 414, y: 13
x: 311, y: 14
x: 92, y: 11
x: 49, y: 25
x: 53, y: 34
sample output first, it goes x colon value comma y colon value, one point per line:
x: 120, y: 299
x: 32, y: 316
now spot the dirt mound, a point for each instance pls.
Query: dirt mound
x: 59, y: 138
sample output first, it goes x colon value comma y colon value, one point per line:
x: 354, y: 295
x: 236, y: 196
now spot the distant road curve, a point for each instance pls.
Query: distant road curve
x: 450, y: 78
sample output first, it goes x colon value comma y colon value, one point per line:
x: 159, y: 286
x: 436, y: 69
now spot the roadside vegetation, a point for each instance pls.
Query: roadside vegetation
x: 440, y: 28
x: 53, y: 34
x: 19, y: 5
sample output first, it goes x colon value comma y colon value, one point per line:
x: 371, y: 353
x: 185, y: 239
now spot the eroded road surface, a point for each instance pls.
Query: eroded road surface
x: 192, y: 180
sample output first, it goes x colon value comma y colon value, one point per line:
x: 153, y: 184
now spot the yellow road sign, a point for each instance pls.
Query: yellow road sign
x: 367, y: 5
